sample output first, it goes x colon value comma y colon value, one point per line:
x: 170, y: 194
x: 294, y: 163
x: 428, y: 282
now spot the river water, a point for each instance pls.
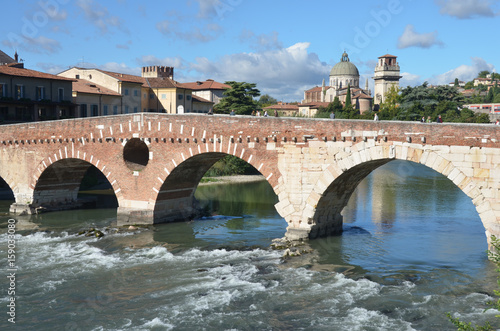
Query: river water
x: 413, y: 249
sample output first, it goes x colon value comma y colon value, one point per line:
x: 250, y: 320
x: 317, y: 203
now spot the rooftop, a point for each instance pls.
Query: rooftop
x: 21, y: 72
x: 209, y: 84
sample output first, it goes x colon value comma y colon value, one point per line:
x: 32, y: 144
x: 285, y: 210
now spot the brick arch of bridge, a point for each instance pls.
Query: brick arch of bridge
x: 173, y: 192
x: 57, y: 180
x: 335, y: 186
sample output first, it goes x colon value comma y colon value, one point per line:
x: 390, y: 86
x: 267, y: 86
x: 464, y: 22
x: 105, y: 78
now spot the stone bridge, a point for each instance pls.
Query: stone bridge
x: 154, y: 162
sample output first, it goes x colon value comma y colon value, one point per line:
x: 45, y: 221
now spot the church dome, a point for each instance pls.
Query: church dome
x: 344, y: 67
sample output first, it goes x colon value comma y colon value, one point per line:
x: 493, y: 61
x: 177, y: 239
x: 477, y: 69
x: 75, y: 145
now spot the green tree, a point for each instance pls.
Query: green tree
x: 230, y: 165
x: 348, y: 101
x: 267, y: 100
x: 483, y: 74
x: 388, y: 108
x: 456, y: 82
x: 490, y: 96
x: 469, y: 85
x: 335, y: 106
x: 239, y: 97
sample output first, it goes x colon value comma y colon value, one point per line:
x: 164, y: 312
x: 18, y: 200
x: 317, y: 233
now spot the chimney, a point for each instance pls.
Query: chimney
x: 16, y: 57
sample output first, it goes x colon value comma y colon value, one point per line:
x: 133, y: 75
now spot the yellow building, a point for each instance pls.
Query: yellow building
x: 153, y: 91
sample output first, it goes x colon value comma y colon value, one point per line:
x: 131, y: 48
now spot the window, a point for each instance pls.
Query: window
x: 163, y: 96
x: 188, y: 97
x: 125, y: 92
x: 83, y: 110
x: 135, y: 109
x: 3, y: 90
x: 77, y: 76
x: 180, y: 96
x: 40, y: 92
x: 61, y: 94
x: 145, y: 96
x: 126, y: 109
x: 115, y: 110
x: 151, y: 96
x: 94, y: 110
x: 105, y: 110
x: 19, y: 92
x: 136, y: 93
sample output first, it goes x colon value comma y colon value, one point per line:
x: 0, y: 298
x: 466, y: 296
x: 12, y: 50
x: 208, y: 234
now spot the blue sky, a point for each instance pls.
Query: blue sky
x: 285, y: 47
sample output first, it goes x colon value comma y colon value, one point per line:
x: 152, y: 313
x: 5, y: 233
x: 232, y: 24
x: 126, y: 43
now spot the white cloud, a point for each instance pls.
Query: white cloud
x: 464, y: 72
x: 283, y: 73
x: 120, y: 67
x: 262, y: 42
x: 411, y: 38
x: 409, y: 79
x: 40, y: 44
x: 209, y: 32
x: 51, y: 68
x: 216, y: 8
x: 99, y: 15
x: 465, y: 9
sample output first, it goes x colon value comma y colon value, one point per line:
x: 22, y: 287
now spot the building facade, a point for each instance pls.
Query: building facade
x: 28, y: 95
x: 153, y: 91
x: 387, y: 74
x: 343, y: 76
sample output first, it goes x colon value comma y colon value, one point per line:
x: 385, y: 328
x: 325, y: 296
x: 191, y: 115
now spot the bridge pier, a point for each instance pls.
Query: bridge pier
x: 327, y: 225
x: 21, y: 209
x: 164, y: 211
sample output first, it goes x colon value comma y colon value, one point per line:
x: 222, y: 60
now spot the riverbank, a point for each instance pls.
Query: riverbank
x: 232, y: 179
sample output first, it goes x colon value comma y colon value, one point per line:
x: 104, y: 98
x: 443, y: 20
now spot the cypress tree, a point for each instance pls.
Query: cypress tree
x: 348, y: 101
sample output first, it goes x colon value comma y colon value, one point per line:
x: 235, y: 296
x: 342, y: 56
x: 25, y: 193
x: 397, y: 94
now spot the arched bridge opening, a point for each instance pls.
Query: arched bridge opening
x: 177, y: 197
x: 6, y: 193
x: 331, y: 207
x: 59, y: 187
x: 408, y: 211
x: 175, y: 200
x: 328, y: 219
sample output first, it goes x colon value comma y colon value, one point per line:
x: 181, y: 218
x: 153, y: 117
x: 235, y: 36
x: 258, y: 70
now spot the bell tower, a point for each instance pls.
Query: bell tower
x: 387, y: 74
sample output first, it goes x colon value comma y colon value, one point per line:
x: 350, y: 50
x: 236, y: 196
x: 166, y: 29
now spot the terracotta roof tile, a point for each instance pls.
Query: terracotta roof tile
x: 124, y: 77
x: 21, y: 72
x: 84, y: 86
x: 283, y: 107
x: 161, y: 83
x: 209, y: 84
x: 314, y: 104
x: 200, y: 99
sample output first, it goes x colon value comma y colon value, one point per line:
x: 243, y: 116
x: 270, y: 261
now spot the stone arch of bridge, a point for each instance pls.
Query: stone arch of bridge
x: 5, y: 178
x: 57, y: 183
x: 337, y: 183
x: 174, y: 199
